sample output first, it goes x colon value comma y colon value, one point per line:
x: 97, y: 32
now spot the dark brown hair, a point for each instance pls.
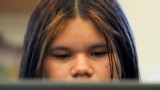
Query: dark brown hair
x: 50, y: 17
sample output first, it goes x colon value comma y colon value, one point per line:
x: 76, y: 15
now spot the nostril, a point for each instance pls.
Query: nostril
x: 82, y: 74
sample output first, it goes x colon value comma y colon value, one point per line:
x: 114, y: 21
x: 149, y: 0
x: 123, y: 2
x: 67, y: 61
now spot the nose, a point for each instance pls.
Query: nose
x: 82, y: 67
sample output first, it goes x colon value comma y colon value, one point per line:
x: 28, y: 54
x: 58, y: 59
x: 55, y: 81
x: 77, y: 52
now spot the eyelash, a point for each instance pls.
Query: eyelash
x: 98, y: 54
x: 62, y: 56
x: 65, y: 56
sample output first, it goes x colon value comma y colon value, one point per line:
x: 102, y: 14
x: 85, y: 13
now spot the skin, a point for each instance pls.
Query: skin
x: 78, y: 53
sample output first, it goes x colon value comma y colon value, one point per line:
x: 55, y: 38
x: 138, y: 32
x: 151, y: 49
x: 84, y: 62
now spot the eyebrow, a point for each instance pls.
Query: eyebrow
x: 98, y: 46
x: 64, y: 48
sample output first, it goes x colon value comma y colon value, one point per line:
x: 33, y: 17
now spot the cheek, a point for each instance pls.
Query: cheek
x: 102, y: 70
x: 55, y: 70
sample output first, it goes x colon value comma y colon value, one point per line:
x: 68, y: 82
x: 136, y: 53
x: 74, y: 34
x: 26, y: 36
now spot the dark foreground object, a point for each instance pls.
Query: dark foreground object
x: 41, y: 85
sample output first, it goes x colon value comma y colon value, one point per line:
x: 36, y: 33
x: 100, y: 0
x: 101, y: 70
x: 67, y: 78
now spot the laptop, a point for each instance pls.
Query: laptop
x: 53, y: 85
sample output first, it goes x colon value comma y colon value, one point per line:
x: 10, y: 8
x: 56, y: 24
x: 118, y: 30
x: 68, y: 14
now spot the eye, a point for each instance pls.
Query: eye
x: 98, y: 54
x: 61, y: 56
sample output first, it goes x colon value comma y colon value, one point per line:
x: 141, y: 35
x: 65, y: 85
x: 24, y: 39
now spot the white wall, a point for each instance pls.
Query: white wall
x: 144, y: 18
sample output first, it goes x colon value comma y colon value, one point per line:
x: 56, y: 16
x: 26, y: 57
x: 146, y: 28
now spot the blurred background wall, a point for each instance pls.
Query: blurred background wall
x: 143, y: 16
x: 14, y: 16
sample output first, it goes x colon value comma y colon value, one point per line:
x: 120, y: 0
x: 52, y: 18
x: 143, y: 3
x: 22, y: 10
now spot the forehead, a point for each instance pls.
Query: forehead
x: 78, y: 32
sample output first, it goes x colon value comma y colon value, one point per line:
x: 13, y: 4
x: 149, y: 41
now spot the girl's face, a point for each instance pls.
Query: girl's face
x: 78, y: 53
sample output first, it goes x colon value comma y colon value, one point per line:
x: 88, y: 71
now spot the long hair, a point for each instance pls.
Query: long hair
x: 50, y: 17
